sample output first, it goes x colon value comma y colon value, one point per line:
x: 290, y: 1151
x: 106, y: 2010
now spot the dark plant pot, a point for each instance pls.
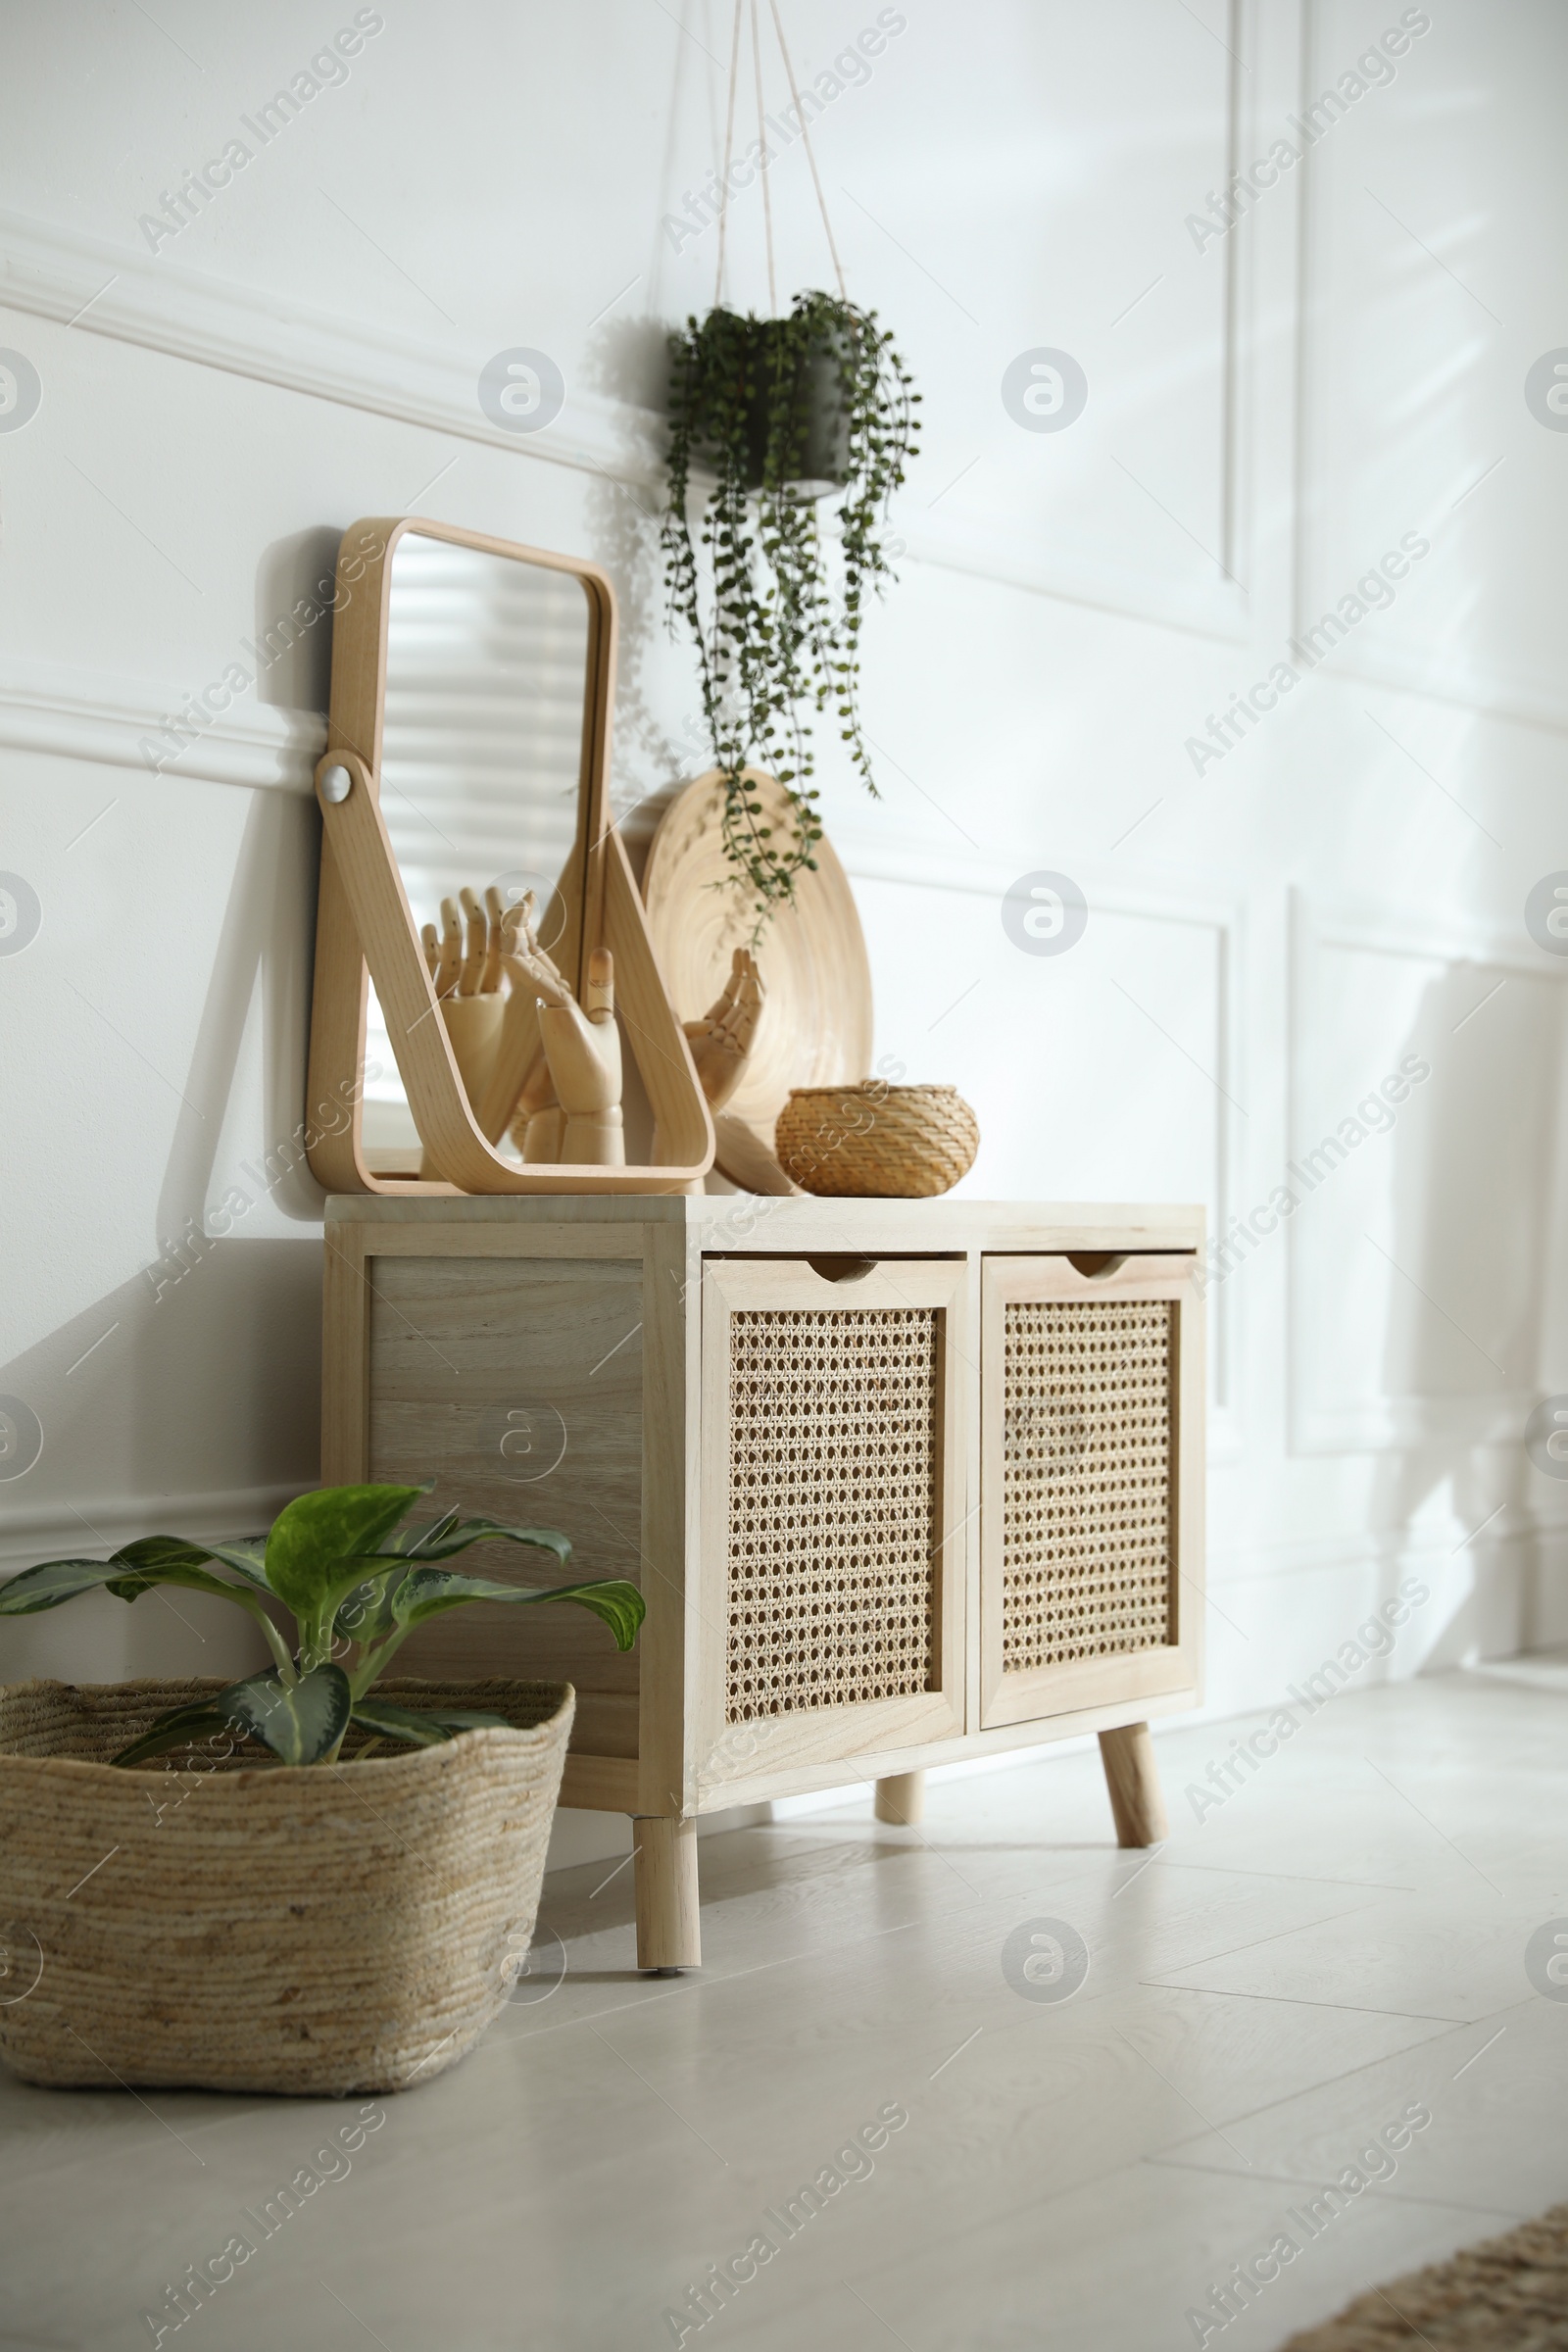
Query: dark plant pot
x: 818, y: 409
x: 821, y: 416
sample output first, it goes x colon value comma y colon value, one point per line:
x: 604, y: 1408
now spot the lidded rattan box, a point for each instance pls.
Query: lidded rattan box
x: 901, y: 1480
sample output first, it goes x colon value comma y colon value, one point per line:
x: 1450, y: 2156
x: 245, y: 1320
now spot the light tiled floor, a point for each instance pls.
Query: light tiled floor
x: 1342, y: 1939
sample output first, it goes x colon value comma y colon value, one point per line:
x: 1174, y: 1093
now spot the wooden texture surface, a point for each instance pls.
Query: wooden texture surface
x: 1132, y: 1780
x: 816, y: 1027
x: 900, y: 1798
x: 1102, y: 1672
x: 730, y: 1747
x: 518, y: 1385
x: 668, y: 1918
x: 728, y: 1227
x: 364, y: 922
x: 444, y: 1317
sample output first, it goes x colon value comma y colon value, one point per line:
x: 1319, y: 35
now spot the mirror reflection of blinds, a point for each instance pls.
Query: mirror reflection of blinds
x: 482, y: 751
x: 486, y: 663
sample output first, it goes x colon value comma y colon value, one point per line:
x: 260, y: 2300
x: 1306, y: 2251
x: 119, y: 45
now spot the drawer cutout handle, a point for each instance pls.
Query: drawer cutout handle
x: 841, y: 1266
x: 1096, y: 1264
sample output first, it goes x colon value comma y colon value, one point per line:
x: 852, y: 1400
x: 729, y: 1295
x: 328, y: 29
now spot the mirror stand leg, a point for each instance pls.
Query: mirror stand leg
x: 1132, y: 1779
x: 669, y: 1921
x: 900, y: 1798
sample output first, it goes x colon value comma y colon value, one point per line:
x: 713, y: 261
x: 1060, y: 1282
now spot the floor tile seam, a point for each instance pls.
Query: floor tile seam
x: 1327, y: 2081
x: 950, y: 1912
x: 1304, y: 1927
x: 995, y: 2215
x: 1324, y: 2082
x: 1366, y: 2066
x: 1281, y: 1935
x: 1511, y: 2214
x: 708, y: 1979
x: 1290, y: 1878
x: 1298, y: 2000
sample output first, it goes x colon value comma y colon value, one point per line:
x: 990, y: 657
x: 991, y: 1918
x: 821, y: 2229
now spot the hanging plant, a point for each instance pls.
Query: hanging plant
x: 782, y: 412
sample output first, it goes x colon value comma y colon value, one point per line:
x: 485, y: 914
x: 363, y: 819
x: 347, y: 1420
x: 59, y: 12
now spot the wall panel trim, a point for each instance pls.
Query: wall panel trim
x: 104, y: 289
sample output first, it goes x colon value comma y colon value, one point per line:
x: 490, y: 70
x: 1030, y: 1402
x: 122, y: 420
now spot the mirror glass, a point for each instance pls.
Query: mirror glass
x: 487, y: 700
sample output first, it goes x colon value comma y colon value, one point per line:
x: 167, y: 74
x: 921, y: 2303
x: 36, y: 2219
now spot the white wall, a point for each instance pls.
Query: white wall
x: 1269, y: 412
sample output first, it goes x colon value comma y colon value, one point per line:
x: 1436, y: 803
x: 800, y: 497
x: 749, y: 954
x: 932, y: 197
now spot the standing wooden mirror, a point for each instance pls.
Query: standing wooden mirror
x: 468, y: 743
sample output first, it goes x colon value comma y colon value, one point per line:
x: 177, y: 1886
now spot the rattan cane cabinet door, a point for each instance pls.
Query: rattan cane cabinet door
x: 832, y: 1579
x: 1090, y: 1513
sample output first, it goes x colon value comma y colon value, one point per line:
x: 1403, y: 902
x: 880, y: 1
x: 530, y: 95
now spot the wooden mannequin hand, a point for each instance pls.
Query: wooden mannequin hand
x: 583, y: 1048
x: 722, y: 1041
x: 524, y: 960
x: 581, y: 1072
x: 467, y: 986
x: 473, y: 970
x: 584, y: 1059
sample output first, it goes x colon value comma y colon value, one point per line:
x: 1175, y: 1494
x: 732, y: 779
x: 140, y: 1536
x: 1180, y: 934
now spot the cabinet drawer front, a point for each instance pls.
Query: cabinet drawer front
x: 830, y: 1474
x: 1091, y: 1471
x: 518, y: 1384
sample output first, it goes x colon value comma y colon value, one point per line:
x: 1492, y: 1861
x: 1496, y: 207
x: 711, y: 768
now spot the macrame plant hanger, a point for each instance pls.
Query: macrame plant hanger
x: 726, y: 190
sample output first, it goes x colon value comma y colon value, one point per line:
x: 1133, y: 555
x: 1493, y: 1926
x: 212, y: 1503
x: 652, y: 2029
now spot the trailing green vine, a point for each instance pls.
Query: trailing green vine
x: 757, y: 402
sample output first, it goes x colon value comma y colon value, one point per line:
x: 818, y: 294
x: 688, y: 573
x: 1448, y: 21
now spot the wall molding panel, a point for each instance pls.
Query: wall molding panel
x: 134, y: 297
x: 869, y: 857
x: 73, y: 715
x: 107, y: 1521
x: 1441, y: 670
x: 104, y: 289
x: 1390, y: 1421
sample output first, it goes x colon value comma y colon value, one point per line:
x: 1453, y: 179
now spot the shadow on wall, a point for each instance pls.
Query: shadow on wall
x: 1467, y: 1332
x: 200, y: 1375
x: 177, y: 1386
x: 268, y: 930
x: 628, y: 360
x: 101, y: 1639
x: 295, y: 583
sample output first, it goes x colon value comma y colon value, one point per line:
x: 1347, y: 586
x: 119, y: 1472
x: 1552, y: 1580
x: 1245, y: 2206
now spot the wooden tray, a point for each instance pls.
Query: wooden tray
x: 816, y: 1028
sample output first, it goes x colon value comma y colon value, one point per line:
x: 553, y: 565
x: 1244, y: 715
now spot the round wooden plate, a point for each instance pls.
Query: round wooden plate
x: 816, y: 1028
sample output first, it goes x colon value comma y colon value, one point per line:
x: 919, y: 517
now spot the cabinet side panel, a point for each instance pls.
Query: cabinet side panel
x: 345, y: 1368
x: 518, y: 1385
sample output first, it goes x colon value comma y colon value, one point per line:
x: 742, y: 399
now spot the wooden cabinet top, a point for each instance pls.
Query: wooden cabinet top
x: 747, y: 1222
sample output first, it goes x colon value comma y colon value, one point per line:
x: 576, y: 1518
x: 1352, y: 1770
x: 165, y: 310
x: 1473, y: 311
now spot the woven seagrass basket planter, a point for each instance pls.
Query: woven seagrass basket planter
x: 255, y: 1928
x: 876, y: 1142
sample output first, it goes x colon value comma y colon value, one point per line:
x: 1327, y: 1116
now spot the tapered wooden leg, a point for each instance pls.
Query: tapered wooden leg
x: 900, y: 1798
x: 669, y: 1922
x: 1132, y: 1778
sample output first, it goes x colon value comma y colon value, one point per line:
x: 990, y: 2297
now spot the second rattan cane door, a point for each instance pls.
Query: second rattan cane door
x: 1091, y: 1514
x: 831, y: 1603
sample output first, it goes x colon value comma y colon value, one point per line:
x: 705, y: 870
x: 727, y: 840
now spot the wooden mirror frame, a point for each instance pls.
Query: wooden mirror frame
x: 364, y: 925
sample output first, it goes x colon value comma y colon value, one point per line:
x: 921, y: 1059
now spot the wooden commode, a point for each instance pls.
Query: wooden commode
x: 902, y: 1482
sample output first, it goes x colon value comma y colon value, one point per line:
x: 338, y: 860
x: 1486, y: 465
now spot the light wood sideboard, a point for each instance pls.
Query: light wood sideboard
x: 902, y: 1482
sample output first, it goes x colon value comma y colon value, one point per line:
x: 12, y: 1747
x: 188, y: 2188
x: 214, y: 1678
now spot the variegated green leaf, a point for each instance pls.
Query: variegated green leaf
x: 155, y: 1560
x: 317, y: 1541
x: 428, y: 1591
x: 365, y: 1613
x: 53, y: 1582
x: 447, y: 1537
x: 422, y: 1728
x: 181, y: 1727
x: 247, y: 1559
x: 300, y: 1722
x: 410, y: 1540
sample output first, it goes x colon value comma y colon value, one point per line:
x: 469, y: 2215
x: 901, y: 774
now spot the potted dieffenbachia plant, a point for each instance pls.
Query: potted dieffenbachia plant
x: 781, y: 413
x: 192, y: 1906
x: 354, y: 1584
